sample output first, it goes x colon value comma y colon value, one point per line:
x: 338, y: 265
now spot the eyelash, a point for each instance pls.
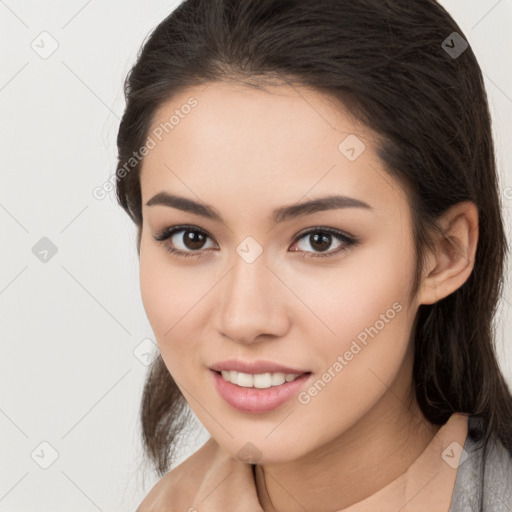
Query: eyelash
x: 167, y: 233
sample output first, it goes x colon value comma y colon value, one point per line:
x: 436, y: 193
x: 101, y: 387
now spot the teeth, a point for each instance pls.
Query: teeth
x: 259, y: 380
x: 277, y: 379
x: 245, y: 380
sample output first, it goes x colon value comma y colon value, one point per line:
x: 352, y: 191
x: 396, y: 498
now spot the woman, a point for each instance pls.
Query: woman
x: 321, y: 254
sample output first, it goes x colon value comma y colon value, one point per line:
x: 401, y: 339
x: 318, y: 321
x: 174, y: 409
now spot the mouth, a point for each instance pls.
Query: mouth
x: 260, y: 392
x: 258, y: 380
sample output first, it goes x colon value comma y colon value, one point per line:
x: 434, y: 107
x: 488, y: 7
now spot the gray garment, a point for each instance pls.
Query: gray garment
x: 484, y: 479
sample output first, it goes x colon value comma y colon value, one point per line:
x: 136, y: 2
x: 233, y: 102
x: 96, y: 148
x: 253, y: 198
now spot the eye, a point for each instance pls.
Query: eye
x: 187, y: 244
x: 320, y: 239
x: 187, y: 241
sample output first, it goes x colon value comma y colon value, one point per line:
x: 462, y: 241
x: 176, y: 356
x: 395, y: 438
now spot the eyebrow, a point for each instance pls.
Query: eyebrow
x: 279, y: 215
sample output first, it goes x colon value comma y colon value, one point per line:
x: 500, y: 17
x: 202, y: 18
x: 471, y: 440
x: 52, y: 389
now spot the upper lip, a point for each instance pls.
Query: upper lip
x: 254, y: 367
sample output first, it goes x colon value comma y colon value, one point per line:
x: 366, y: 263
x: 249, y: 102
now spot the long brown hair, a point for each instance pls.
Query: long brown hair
x: 398, y: 67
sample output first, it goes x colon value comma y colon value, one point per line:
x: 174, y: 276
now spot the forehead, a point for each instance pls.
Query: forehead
x: 274, y: 145
x: 246, y: 116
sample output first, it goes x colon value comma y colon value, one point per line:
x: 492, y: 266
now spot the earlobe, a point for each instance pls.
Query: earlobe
x: 455, y: 249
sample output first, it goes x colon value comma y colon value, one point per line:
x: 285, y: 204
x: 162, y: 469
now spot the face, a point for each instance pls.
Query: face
x: 261, y: 280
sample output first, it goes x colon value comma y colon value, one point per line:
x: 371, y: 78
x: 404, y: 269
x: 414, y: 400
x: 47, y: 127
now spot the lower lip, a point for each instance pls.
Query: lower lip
x: 256, y: 400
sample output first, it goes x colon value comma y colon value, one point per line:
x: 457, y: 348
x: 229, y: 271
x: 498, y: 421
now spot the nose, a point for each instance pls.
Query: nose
x: 252, y: 303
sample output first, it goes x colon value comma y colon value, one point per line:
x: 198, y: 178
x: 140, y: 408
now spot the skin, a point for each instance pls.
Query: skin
x: 246, y: 152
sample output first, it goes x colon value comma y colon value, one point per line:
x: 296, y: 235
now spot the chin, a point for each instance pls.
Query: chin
x: 263, y: 451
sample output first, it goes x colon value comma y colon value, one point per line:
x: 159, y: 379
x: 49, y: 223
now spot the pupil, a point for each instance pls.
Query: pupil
x: 194, y: 240
x: 321, y: 242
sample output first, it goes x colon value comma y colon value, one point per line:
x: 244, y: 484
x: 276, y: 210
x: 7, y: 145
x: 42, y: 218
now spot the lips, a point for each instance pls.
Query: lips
x: 253, y: 400
x: 255, y: 367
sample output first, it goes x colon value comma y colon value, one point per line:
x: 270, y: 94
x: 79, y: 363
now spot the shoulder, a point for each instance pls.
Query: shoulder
x: 186, y: 487
x: 484, y: 477
x: 497, y: 477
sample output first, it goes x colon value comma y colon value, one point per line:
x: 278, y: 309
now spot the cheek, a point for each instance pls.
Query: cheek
x: 174, y: 296
x: 359, y: 367
x: 165, y: 291
x: 368, y: 291
x: 153, y: 288
x: 365, y: 305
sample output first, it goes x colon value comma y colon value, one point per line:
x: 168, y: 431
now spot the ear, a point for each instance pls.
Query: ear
x: 455, y: 247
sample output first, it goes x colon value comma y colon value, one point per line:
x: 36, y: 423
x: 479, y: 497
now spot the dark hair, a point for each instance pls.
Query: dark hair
x: 385, y: 61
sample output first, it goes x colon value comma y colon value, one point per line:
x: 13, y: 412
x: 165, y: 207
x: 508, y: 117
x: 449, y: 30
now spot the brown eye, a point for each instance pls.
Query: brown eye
x: 321, y: 239
x: 187, y: 241
x: 320, y: 242
x: 183, y: 241
x: 193, y: 240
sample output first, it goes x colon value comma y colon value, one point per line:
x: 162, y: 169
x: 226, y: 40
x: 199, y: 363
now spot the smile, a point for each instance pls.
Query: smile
x: 258, y: 380
x: 259, y: 392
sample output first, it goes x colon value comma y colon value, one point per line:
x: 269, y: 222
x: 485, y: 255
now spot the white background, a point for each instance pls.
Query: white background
x: 69, y: 376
